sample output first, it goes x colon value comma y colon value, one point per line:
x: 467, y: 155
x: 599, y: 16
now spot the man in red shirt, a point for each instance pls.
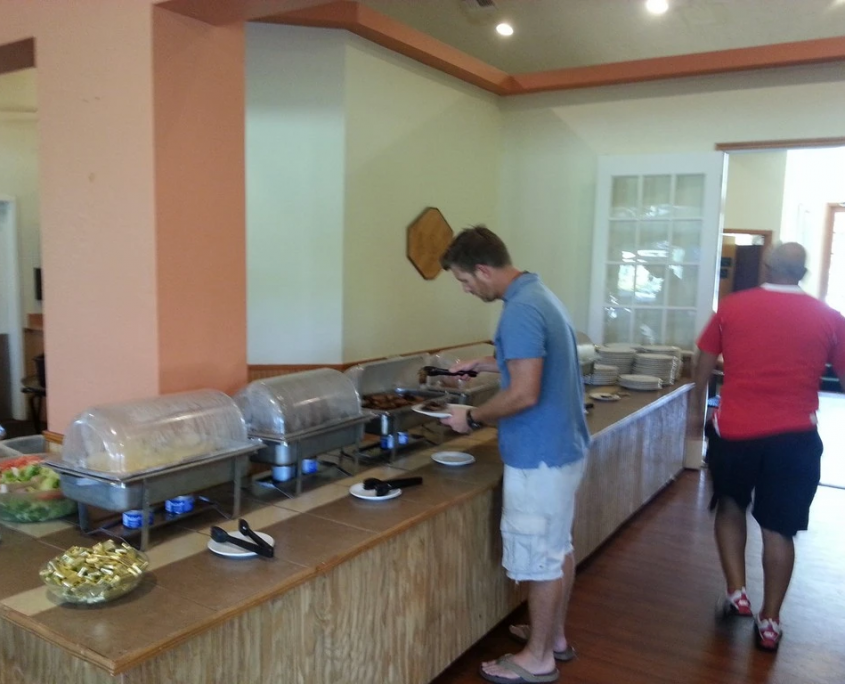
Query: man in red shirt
x: 775, y: 341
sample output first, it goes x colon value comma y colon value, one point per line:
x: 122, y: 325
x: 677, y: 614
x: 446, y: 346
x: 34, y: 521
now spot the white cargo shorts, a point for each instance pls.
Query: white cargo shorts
x: 538, y: 508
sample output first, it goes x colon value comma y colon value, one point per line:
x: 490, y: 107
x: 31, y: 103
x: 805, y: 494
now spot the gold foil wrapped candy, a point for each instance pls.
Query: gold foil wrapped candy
x: 94, y: 575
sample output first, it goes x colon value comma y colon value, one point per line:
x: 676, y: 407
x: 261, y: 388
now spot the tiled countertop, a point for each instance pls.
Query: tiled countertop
x: 189, y: 589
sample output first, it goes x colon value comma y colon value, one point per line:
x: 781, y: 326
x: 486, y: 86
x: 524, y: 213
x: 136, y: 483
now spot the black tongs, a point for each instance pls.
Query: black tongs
x: 434, y: 370
x: 383, y: 487
x: 257, y: 545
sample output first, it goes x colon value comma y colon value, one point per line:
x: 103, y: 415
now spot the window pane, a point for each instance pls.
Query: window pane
x: 657, y: 196
x: 650, y: 279
x: 622, y: 241
x: 620, y: 284
x: 686, y: 241
x: 680, y: 328
x: 654, y: 241
x: 689, y: 196
x: 625, y: 200
x: 648, y: 326
x: 682, y: 286
x: 617, y: 324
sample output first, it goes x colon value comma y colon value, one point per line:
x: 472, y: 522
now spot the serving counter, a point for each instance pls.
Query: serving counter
x: 392, y: 591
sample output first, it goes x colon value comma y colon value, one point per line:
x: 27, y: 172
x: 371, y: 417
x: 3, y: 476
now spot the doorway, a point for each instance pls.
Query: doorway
x: 741, y: 266
x: 11, y: 322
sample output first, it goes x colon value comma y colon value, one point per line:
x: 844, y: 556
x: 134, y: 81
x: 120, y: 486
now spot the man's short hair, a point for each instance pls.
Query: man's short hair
x: 474, y: 247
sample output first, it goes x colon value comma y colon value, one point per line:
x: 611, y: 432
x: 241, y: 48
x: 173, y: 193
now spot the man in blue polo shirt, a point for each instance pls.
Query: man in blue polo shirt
x: 543, y: 440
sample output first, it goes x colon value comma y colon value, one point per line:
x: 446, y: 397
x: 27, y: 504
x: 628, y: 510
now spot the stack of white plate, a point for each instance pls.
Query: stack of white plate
x: 639, y: 382
x: 619, y: 356
x: 661, y: 365
x: 602, y: 375
x: 669, y: 349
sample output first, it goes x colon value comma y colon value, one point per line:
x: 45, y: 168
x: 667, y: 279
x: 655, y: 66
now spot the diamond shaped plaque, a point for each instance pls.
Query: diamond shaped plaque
x: 428, y: 237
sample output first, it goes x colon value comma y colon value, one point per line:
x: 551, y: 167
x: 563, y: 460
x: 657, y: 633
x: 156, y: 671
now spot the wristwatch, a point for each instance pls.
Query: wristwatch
x: 473, y: 424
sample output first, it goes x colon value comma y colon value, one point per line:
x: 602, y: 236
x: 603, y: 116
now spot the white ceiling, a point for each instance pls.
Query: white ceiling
x: 555, y: 34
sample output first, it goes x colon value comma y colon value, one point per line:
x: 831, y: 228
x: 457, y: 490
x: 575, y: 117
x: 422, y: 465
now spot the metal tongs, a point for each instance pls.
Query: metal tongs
x: 257, y: 545
x: 434, y: 370
x: 383, y: 487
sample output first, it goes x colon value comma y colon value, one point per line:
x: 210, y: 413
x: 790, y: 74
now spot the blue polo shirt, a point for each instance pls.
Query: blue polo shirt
x: 534, y: 324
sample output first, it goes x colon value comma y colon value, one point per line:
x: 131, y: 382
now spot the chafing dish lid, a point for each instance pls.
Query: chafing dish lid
x: 134, y: 436
x: 296, y: 402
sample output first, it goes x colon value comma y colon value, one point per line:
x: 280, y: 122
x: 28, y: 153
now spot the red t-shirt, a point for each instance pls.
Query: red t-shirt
x: 775, y: 341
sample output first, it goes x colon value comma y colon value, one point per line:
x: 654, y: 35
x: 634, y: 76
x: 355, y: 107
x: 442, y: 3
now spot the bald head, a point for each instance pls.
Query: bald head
x: 786, y: 264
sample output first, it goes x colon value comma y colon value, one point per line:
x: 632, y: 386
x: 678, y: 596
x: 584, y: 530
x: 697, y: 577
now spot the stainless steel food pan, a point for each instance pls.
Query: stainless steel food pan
x: 112, y: 493
x: 292, y: 448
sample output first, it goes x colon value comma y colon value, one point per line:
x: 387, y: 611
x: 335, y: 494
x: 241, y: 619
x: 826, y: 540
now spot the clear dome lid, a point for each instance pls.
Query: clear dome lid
x: 135, y: 436
x: 297, y: 402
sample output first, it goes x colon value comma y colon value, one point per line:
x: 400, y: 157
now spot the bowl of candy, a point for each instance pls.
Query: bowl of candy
x: 96, y: 574
x: 30, y: 491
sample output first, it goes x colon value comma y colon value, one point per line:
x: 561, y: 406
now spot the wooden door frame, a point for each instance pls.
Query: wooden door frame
x: 833, y: 208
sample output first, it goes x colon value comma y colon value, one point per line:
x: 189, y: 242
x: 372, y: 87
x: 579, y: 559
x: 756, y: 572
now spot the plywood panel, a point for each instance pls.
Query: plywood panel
x: 423, y: 598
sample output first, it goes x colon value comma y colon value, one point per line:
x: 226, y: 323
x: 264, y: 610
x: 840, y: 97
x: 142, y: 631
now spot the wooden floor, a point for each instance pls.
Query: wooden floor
x: 643, y: 607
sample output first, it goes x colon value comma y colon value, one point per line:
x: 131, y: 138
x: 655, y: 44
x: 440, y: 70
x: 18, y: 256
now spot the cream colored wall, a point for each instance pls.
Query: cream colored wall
x: 754, y: 198
x: 415, y: 139
x: 552, y: 142
x: 295, y: 194
x: 19, y: 173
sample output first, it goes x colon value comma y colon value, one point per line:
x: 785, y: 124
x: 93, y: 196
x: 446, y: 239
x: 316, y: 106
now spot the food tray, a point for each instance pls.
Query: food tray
x: 113, y: 493
x: 298, y: 402
x: 293, y: 448
x: 142, y: 436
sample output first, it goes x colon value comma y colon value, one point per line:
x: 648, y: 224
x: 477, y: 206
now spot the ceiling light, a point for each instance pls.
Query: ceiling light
x: 504, y: 29
x: 657, y: 6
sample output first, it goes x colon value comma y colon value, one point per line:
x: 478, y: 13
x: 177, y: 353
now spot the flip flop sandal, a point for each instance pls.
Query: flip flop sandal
x: 523, y: 675
x: 563, y: 656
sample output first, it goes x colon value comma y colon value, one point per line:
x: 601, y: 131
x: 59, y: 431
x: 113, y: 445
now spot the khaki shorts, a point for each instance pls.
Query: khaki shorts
x: 537, y: 512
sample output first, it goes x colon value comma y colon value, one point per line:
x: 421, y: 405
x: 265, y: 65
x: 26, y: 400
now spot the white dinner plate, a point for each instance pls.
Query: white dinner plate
x: 436, y: 414
x: 370, y: 494
x: 232, y: 551
x: 604, y: 396
x: 453, y: 458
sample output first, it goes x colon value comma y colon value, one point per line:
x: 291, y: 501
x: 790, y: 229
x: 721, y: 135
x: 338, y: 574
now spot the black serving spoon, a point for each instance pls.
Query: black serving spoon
x: 221, y: 536
x: 383, y: 487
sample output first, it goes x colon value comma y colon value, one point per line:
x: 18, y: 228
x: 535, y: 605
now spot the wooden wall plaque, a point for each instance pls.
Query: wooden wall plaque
x: 428, y: 237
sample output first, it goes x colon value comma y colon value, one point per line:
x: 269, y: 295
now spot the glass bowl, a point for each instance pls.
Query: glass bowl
x: 30, y: 491
x: 93, y: 575
x: 38, y: 506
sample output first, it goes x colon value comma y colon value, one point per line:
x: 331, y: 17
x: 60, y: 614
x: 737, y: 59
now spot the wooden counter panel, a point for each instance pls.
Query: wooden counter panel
x: 26, y: 658
x: 340, y: 626
x: 387, y: 592
x: 628, y: 465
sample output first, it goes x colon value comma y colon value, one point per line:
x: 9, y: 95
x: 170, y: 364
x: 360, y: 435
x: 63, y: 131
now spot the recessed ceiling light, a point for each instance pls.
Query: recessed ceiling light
x: 657, y: 6
x: 504, y: 29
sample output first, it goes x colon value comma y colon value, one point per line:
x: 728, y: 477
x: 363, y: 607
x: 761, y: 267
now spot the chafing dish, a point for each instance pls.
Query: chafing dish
x: 397, y: 376
x: 135, y: 454
x: 303, y: 415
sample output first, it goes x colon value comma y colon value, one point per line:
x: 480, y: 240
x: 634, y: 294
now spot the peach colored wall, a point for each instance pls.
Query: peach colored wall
x: 128, y: 313
x: 97, y: 198
x: 200, y: 216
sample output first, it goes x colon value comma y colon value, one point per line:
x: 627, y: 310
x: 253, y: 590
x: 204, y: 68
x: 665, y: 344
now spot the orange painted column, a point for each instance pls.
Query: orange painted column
x: 140, y: 116
x: 200, y: 234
